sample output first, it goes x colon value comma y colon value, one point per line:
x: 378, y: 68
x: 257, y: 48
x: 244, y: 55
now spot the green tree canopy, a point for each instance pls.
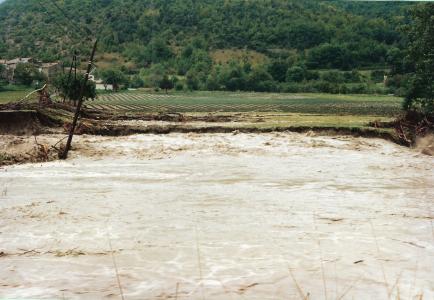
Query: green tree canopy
x: 26, y: 74
x: 165, y: 83
x: 295, y: 74
x: 69, y: 87
x: 421, y: 51
x: 113, y: 76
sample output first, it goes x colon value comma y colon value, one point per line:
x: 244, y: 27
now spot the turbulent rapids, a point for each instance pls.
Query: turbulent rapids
x: 220, y: 216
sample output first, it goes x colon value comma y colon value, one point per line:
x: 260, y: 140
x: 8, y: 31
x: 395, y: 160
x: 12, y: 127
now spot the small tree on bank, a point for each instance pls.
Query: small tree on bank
x: 69, y: 87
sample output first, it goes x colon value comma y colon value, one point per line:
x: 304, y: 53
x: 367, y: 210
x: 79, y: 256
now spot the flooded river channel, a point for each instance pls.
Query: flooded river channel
x: 220, y: 216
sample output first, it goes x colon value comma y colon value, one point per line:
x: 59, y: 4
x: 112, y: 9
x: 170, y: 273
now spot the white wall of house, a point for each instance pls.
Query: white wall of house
x: 108, y: 87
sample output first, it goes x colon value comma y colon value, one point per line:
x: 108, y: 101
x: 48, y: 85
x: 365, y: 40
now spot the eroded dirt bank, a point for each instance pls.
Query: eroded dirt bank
x: 28, y: 130
x: 220, y: 216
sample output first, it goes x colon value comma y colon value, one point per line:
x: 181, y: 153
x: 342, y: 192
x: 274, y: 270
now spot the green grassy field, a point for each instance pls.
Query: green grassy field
x: 324, y: 104
x: 14, y: 94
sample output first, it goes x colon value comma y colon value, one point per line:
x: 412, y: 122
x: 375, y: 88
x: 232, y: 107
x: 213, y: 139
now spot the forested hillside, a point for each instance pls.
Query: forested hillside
x: 184, y: 37
x: 36, y: 27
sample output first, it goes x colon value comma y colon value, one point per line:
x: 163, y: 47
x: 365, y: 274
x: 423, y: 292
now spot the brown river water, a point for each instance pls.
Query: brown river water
x: 220, y: 216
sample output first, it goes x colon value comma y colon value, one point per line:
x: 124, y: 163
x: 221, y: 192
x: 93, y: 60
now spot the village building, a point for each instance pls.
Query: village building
x: 48, y: 69
x: 100, y: 84
x: 12, y: 64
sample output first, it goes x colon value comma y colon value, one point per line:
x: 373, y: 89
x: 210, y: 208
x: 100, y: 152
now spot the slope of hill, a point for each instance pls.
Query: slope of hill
x: 253, y: 45
x: 37, y: 28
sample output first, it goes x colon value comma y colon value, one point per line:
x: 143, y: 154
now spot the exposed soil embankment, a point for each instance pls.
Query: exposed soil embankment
x: 33, y: 119
x: 122, y: 130
x: 19, y: 122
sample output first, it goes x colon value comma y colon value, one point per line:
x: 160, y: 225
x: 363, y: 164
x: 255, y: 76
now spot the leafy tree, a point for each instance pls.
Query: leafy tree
x: 295, y: 74
x: 420, y: 95
x: 354, y: 76
x: 302, y: 34
x: 193, y: 58
x: 278, y: 69
x: 136, y: 82
x: 157, y: 51
x: 333, y: 77
x: 26, y: 74
x: 113, y: 76
x: 330, y: 56
x: 70, y: 87
x: 166, y: 84
x: 377, y: 75
x: 192, y: 81
x: 233, y: 76
x: 260, y: 81
x: 213, y: 80
x: 179, y: 86
x: 399, y: 61
x: 311, y: 75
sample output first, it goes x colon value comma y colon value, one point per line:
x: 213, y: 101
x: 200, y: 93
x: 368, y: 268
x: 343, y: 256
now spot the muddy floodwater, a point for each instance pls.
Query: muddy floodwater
x: 220, y: 216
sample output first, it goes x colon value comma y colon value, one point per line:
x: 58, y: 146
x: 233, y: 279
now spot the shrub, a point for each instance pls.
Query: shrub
x: 377, y: 75
x: 179, y: 86
x: 136, y: 82
x: 295, y: 74
x: 333, y: 77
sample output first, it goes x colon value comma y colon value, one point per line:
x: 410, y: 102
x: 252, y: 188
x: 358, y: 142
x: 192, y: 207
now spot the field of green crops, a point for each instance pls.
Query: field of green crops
x: 203, y: 102
x: 379, y: 105
x: 13, y: 95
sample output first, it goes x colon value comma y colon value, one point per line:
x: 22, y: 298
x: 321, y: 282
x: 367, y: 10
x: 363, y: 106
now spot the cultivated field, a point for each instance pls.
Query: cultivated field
x: 250, y: 102
x: 240, y: 110
x: 13, y: 95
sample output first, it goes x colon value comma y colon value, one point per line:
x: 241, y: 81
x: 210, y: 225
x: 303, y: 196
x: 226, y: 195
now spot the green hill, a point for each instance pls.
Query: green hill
x: 37, y: 28
x: 216, y: 44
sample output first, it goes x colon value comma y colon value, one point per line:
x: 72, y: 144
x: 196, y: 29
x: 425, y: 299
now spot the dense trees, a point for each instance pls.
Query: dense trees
x: 156, y: 51
x: 331, y: 56
x: 420, y: 95
x: 151, y: 31
x: 287, y: 45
